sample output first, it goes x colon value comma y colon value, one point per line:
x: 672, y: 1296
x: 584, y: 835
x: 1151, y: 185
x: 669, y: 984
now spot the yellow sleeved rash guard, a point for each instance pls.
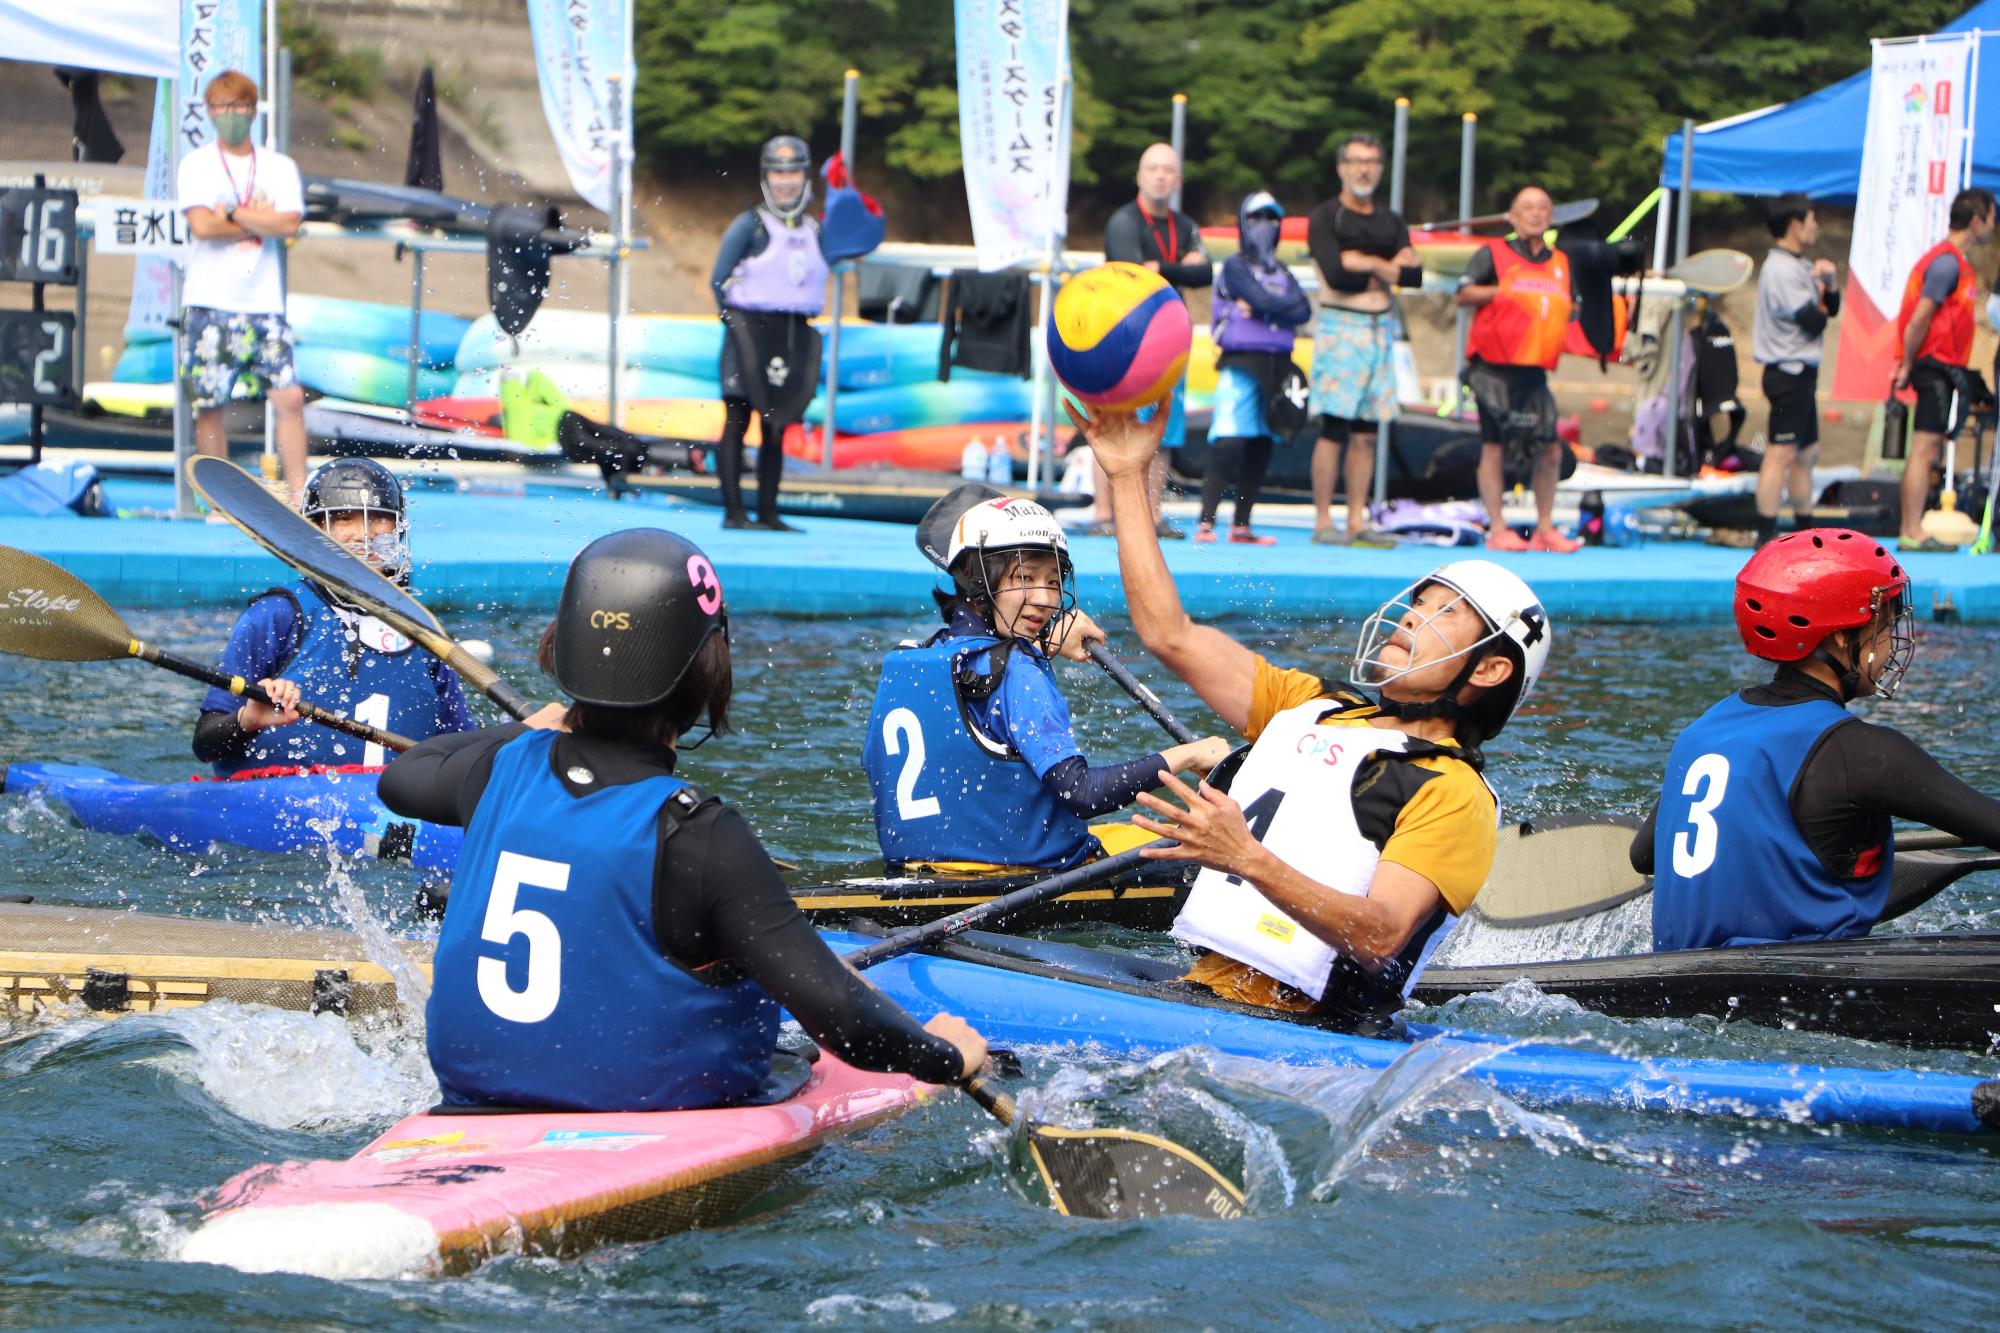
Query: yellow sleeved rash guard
x: 1431, y: 814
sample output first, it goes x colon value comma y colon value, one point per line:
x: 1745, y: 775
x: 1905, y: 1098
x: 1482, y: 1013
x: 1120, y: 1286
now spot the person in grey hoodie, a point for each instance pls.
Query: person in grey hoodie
x: 1258, y: 309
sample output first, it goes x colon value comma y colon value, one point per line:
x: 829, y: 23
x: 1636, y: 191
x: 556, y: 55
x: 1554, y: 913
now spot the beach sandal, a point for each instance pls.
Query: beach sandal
x: 1241, y: 535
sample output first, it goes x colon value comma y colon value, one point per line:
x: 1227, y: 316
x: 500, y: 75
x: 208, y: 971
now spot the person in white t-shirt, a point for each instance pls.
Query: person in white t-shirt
x: 241, y: 203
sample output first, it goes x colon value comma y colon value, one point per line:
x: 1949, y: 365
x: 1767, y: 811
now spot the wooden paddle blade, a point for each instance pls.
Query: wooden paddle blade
x: 1122, y: 1174
x: 49, y: 613
x: 1560, y: 869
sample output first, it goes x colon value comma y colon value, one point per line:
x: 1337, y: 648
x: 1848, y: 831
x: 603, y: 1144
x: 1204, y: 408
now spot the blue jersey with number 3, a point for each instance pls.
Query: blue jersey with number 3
x: 1729, y: 863
x: 548, y: 988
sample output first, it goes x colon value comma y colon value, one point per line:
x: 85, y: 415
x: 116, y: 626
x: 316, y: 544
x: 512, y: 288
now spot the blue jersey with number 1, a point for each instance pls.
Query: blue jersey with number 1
x: 1730, y: 865
x: 548, y: 987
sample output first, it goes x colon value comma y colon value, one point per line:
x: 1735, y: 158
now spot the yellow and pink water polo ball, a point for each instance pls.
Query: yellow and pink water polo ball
x: 1119, y: 337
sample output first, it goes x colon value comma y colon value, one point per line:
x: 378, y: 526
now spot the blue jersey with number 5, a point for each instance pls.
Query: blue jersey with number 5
x: 1729, y: 863
x: 548, y: 987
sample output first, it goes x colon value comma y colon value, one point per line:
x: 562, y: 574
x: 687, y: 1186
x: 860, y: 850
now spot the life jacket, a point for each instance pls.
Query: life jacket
x: 1949, y: 338
x: 548, y: 988
x: 944, y: 790
x: 1296, y: 788
x: 351, y: 663
x: 1527, y: 321
x: 1730, y: 865
x: 1235, y: 331
x: 787, y: 275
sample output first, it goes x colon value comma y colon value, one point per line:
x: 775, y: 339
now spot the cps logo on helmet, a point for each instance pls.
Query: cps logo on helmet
x: 611, y: 620
x: 1315, y: 746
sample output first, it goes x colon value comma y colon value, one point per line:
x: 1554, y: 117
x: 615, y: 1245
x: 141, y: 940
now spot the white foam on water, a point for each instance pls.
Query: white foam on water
x: 342, y: 1241
x: 289, y: 1070
x: 842, y: 1308
x: 412, y: 991
x: 1477, y: 942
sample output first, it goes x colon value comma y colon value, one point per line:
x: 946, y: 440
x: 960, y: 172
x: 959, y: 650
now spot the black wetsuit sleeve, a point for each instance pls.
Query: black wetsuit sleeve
x: 218, y: 736
x: 1859, y: 766
x: 1196, y: 271
x: 718, y: 898
x: 1324, y: 245
x: 441, y: 780
x: 1810, y: 317
x: 1124, y: 240
x: 1088, y: 792
x: 1832, y: 299
x: 744, y: 239
x: 1642, y: 842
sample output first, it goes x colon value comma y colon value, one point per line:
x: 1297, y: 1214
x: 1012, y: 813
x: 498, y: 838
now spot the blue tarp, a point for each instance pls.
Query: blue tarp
x: 1813, y: 145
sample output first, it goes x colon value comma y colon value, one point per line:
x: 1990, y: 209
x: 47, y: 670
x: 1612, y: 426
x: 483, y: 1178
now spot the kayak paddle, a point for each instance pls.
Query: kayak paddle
x: 1575, y: 866
x: 1103, y: 1173
x: 1561, y: 215
x: 50, y: 614
x: 1144, y: 697
x: 275, y: 526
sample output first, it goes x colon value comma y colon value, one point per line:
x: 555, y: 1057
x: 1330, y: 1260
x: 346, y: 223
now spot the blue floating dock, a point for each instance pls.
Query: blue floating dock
x: 478, y: 550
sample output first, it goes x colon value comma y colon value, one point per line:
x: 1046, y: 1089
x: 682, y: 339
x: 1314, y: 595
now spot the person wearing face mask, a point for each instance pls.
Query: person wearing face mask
x: 1258, y: 308
x: 769, y: 281
x: 302, y: 642
x: 1359, y: 822
x: 1154, y: 234
x: 242, y: 202
x: 1773, y: 821
x: 1362, y: 250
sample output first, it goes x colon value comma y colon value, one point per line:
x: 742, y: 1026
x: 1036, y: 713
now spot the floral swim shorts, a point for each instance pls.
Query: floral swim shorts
x: 223, y: 347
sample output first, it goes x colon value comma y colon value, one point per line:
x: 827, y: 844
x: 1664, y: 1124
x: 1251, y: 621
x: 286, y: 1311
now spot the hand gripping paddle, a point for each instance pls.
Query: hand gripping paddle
x: 1101, y: 1172
x: 46, y: 612
x: 273, y: 525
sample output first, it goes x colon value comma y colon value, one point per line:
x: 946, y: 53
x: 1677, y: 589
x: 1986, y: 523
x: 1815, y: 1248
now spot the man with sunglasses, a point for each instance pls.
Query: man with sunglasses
x: 242, y: 202
x: 1774, y: 819
x: 1362, y: 251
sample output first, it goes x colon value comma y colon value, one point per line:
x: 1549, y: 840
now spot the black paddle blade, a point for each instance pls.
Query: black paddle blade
x: 47, y: 612
x: 1122, y: 1174
x: 934, y: 528
x: 282, y: 531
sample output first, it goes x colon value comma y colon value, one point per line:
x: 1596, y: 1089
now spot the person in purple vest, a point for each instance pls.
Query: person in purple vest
x: 769, y: 280
x: 1258, y: 308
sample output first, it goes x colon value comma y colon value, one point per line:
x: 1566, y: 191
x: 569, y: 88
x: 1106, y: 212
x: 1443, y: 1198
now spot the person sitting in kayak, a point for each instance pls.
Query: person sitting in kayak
x: 301, y: 642
x: 618, y: 939
x: 1358, y: 825
x: 970, y: 753
x: 1773, y: 821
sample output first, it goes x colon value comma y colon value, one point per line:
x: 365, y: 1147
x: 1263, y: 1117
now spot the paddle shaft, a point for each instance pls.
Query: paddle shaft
x: 942, y: 929
x: 1574, y: 210
x: 247, y: 689
x: 1143, y: 696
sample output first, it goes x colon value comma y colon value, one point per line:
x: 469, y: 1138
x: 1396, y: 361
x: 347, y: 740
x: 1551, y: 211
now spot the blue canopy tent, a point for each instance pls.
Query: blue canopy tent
x: 1813, y: 145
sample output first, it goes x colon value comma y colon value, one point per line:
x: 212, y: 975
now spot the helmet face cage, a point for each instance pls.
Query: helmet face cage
x: 1902, y: 636
x: 388, y: 552
x: 987, y: 566
x: 1370, y: 671
x: 786, y: 153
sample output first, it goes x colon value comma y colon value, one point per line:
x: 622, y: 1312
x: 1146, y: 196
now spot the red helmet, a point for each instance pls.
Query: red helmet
x: 1807, y: 584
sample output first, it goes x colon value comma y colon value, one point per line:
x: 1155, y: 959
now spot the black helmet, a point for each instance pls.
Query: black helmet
x: 636, y: 608
x: 364, y: 486
x: 786, y: 152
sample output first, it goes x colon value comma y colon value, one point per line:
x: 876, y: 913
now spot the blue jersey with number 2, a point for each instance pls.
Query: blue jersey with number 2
x: 1729, y: 863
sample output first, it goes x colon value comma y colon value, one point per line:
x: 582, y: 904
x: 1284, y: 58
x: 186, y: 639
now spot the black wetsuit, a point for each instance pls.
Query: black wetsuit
x: 1857, y: 778
x: 717, y: 897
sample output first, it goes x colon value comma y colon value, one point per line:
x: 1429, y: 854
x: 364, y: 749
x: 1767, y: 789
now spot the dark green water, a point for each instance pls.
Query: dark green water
x: 1415, y: 1197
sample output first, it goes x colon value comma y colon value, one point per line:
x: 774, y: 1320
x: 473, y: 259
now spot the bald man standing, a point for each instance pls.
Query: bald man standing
x: 1149, y: 231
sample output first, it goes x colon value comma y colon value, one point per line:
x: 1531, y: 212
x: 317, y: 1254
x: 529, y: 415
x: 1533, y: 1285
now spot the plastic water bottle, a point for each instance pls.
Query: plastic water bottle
x: 1000, y: 463
x: 972, y: 462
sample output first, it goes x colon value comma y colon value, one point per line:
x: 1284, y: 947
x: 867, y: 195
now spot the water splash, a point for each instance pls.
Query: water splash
x: 413, y: 992
x: 1477, y: 942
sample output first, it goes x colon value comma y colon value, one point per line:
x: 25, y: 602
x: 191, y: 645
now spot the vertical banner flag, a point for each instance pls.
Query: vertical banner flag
x: 1912, y: 163
x: 579, y: 45
x: 1011, y: 55
x: 215, y: 35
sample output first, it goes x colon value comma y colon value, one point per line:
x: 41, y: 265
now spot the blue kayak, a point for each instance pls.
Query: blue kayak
x: 263, y: 814
x: 1040, y: 994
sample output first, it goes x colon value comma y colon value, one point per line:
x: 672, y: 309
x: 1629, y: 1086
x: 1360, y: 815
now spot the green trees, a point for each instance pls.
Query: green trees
x: 1576, y: 93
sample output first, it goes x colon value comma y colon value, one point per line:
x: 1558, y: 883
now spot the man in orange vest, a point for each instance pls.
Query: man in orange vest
x: 1934, y: 334
x: 1524, y: 293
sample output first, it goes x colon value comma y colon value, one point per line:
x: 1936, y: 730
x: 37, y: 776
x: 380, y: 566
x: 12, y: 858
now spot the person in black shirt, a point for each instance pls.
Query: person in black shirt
x: 1362, y: 251
x: 1150, y: 232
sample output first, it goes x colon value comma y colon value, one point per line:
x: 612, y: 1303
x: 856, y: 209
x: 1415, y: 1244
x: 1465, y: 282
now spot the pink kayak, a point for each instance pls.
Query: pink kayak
x: 441, y: 1194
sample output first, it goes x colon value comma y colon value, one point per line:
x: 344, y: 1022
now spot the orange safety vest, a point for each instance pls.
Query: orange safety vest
x: 1528, y: 318
x: 1949, y: 338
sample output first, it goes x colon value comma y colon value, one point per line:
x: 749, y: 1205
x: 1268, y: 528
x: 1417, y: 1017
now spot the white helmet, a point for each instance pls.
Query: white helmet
x: 1514, y: 618
x: 1006, y: 524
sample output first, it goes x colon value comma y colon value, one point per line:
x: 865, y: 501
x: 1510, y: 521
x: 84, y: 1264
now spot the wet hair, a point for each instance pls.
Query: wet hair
x: 232, y: 85
x: 703, y: 692
x: 1784, y: 211
x: 1363, y: 138
x: 1969, y: 204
